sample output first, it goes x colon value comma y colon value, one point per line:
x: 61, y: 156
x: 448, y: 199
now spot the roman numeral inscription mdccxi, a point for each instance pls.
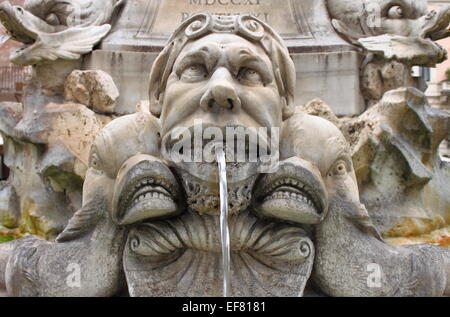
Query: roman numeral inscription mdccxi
x: 162, y: 17
x: 225, y: 2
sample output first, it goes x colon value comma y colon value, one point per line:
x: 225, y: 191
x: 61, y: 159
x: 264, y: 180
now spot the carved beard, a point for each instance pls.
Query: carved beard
x: 203, y: 197
x: 200, y: 179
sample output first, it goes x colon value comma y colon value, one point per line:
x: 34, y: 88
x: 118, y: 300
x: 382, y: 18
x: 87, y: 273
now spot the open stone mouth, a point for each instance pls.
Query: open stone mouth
x: 241, y: 145
x: 148, y: 188
x: 295, y: 193
x: 292, y: 189
x: 146, y: 197
x: 142, y: 190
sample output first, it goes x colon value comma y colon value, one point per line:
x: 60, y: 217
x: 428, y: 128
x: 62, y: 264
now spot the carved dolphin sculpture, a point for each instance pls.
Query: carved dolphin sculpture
x: 74, y: 12
x: 399, y: 30
x: 351, y: 262
x: 56, y: 29
x: 92, y: 243
x: 351, y: 257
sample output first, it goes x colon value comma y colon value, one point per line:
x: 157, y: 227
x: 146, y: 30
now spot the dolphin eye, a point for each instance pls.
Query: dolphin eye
x: 395, y: 12
x: 94, y: 160
x: 339, y: 168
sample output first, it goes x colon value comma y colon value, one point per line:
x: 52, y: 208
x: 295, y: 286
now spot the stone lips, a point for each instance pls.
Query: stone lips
x: 295, y: 193
x: 145, y: 189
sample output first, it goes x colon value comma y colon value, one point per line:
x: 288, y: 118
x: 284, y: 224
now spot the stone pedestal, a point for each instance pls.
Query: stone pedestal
x: 327, y: 66
x: 332, y: 77
x: 130, y: 71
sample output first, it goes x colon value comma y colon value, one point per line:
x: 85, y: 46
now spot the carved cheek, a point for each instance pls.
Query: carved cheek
x: 180, y: 101
x: 97, y: 186
x: 263, y: 104
x: 343, y: 186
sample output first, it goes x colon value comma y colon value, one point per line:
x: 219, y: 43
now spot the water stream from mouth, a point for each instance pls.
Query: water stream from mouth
x: 224, y: 230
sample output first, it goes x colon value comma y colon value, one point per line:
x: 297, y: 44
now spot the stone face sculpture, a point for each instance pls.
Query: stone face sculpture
x: 153, y: 221
x: 54, y: 29
x: 223, y: 65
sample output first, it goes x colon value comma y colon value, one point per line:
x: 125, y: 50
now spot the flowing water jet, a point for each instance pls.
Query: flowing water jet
x: 224, y: 231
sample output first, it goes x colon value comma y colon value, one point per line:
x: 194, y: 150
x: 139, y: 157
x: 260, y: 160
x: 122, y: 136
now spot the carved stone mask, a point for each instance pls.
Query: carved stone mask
x: 223, y: 72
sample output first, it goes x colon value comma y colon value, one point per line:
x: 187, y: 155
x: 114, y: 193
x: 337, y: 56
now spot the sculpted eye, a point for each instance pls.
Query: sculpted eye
x: 339, y: 168
x: 194, y: 73
x: 395, y: 12
x: 248, y: 76
x: 94, y: 161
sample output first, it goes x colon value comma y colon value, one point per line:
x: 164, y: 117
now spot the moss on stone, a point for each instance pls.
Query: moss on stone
x: 64, y: 180
x: 4, y: 239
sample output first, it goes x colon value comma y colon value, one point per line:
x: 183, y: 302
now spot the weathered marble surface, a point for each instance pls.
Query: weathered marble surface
x: 152, y: 223
x: 47, y: 144
x: 300, y: 23
x: 133, y: 214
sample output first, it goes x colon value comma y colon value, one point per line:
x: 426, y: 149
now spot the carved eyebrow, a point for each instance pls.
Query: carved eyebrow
x: 207, y: 55
x: 247, y: 58
x: 342, y: 153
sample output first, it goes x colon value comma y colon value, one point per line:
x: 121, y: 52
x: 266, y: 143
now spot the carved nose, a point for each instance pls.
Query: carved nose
x: 221, y: 94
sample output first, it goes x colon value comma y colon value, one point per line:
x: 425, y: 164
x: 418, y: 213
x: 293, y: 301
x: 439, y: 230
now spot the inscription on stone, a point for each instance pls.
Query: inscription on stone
x: 162, y: 17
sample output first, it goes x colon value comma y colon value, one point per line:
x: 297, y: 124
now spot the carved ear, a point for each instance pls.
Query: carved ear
x: 158, y: 81
x: 285, y: 76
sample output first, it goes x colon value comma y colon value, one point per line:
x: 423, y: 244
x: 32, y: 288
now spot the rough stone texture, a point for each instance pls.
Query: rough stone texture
x: 317, y: 107
x: 395, y: 152
x: 130, y: 73
x: 379, y: 76
x: 95, y: 89
x: 9, y: 210
x: 46, y: 148
x: 343, y: 269
x: 399, y: 172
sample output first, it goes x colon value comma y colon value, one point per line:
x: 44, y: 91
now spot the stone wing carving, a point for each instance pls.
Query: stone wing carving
x: 69, y: 44
x: 409, y: 50
x: 56, y: 29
